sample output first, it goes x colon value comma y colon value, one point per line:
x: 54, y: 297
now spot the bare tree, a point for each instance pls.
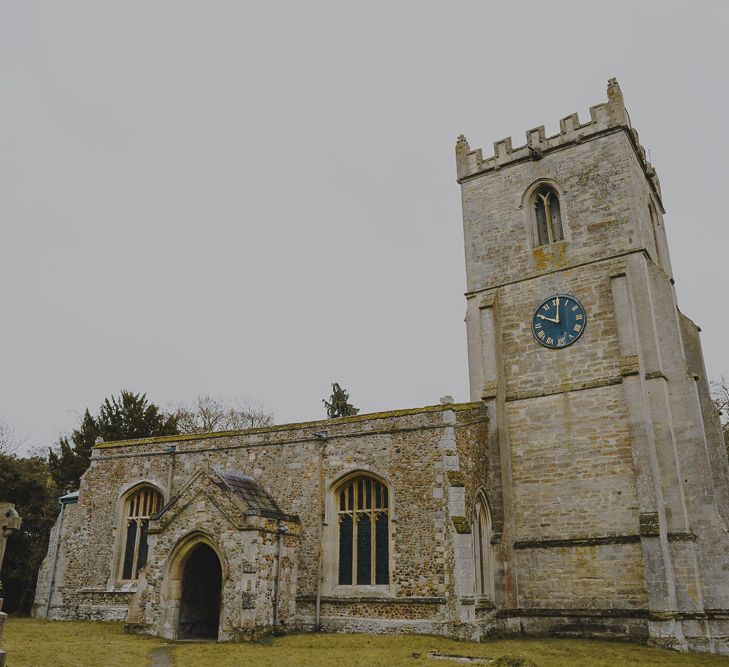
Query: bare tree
x: 210, y: 413
x: 720, y: 397
x: 9, y: 441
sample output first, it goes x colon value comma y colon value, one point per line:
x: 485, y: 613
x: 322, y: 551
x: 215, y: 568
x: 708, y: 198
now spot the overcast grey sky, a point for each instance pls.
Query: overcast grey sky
x: 257, y: 199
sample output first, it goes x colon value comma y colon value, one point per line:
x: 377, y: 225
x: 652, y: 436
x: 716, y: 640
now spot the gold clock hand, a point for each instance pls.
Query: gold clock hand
x: 557, y: 309
x: 549, y: 319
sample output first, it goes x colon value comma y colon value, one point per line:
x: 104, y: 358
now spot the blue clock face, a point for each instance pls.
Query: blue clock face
x: 558, y: 321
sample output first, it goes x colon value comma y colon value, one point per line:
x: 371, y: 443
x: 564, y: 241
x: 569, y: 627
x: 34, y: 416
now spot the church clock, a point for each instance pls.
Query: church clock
x: 558, y: 321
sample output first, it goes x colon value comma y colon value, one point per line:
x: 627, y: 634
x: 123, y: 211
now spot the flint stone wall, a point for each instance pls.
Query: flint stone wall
x: 420, y: 453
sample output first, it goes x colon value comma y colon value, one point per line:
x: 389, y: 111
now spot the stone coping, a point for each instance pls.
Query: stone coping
x: 187, y: 437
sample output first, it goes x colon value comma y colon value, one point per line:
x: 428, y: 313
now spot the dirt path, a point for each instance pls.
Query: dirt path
x: 161, y: 657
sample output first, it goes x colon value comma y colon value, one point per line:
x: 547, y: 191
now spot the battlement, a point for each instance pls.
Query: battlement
x: 610, y: 115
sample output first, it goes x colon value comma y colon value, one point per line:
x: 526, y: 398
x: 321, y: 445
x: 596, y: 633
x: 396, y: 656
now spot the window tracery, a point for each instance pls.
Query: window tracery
x: 138, y: 508
x: 363, y: 513
x: 548, y: 215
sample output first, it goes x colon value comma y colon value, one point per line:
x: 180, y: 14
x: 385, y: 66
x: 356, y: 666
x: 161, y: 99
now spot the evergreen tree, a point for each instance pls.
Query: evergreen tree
x: 72, y: 458
x: 27, y: 483
x: 338, y: 404
x: 129, y: 416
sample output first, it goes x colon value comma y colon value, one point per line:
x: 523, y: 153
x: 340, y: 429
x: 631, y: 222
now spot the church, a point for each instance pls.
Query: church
x: 583, y: 490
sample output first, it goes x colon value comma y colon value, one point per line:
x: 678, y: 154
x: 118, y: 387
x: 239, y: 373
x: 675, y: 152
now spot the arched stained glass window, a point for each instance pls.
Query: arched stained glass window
x: 482, y: 547
x: 138, y: 508
x: 548, y: 215
x: 364, y: 532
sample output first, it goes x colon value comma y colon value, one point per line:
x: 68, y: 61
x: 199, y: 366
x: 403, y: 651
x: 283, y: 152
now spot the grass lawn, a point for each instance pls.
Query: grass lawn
x: 377, y: 651
x: 32, y: 643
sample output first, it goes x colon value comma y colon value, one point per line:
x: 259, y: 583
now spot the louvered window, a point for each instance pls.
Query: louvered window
x: 364, y: 532
x: 138, y: 509
x: 548, y: 215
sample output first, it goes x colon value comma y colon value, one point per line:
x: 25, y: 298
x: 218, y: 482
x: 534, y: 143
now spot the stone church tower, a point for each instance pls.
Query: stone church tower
x: 610, y: 487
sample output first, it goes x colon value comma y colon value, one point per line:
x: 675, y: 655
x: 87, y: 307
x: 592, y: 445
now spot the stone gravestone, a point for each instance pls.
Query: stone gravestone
x: 9, y: 523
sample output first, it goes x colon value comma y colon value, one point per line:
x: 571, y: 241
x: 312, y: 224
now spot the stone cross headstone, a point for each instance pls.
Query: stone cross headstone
x: 9, y: 523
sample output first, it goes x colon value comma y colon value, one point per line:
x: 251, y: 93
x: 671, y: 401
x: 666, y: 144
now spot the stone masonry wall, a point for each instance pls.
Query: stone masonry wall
x: 600, y: 577
x: 570, y: 447
x: 594, y: 180
x: 614, y: 490
x: 571, y: 476
x: 570, y: 501
x: 56, y: 554
x: 408, y: 449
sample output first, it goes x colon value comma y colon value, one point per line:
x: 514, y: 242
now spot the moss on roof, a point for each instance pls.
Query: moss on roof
x: 185, y: 437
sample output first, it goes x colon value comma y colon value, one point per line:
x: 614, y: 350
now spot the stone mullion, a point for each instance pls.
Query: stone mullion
x: 135, y: 553
x: 142, y: 506
x: 358, y: 511
x: 355, y: 531
x: 355, y: 536
x: 353, y: 510
x: 373, y: 534
x: 548, y: 215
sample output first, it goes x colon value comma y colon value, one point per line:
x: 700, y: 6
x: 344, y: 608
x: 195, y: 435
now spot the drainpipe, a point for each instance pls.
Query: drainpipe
x: 62, y: 501
x: 321, y: 436
x: 282, y: 530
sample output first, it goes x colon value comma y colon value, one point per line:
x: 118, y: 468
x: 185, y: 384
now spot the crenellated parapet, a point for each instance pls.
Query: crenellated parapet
x: 605, y: 117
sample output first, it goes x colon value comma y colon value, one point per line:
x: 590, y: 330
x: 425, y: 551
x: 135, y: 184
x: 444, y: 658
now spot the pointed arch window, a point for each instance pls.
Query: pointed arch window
x: 482, y: 532
x: 548, y: 215
x: 363, y: 508
x: 138, y: 508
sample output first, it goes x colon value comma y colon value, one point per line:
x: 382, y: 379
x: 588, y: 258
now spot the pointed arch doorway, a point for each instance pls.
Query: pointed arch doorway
x: 202, y: 579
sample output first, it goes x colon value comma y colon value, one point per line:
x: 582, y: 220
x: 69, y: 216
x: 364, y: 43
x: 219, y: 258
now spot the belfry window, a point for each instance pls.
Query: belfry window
x: 138, y: 509
x: 364, y: 532
x: 482, y: 547
x: 548, y: 215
